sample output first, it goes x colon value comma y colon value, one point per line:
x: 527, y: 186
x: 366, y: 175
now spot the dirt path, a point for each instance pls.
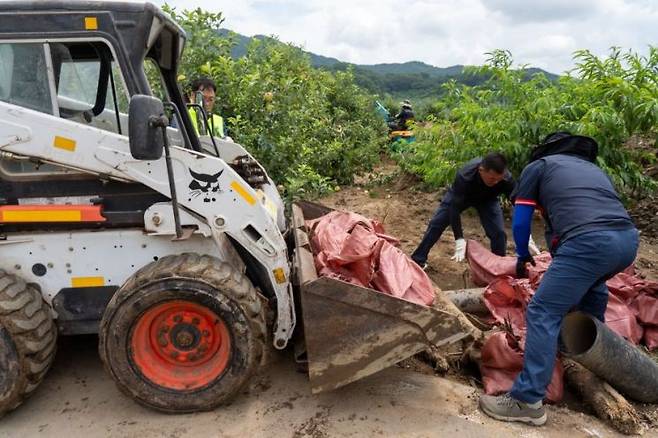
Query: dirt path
x: 78, y: 399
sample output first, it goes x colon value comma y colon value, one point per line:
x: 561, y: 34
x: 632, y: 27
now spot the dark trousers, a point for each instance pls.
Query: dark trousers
x: 491, y: 218
x: 574, y: 280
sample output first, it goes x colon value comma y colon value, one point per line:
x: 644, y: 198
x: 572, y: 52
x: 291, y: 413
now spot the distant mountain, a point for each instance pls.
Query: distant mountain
x: 413, y: 67
x: 413, y: 80
x: 242, y: 42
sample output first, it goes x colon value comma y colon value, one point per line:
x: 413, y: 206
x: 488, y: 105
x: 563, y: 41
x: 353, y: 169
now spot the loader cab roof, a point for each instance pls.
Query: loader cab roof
x: 42, y: 12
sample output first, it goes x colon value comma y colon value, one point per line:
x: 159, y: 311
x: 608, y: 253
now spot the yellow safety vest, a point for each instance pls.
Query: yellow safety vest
x: 215, y: 121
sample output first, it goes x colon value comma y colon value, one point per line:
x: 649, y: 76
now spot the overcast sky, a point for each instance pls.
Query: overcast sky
x: 445, y: 32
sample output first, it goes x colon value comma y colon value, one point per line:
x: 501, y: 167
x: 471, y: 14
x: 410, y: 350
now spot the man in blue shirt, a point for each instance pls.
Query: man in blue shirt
x: 591, y: 238
x: 478, y: 184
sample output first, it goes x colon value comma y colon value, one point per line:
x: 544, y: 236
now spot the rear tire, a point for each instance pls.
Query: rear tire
x: 28, y: 340
x: 184, y: 334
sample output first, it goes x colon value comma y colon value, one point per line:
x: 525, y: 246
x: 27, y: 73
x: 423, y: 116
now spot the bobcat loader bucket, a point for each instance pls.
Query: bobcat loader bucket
x: 351, y: 332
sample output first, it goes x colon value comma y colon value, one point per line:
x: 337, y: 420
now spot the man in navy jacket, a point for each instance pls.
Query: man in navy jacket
x: 479, y: 184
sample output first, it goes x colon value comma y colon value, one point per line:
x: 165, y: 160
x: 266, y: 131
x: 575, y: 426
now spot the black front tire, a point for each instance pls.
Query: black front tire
x: 28, y: 340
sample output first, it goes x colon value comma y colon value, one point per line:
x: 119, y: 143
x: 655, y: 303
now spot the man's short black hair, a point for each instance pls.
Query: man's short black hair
x: 204, y: 83
x: 494, y: 161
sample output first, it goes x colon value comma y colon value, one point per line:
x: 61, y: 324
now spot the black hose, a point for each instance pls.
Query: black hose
x: 625, y: 367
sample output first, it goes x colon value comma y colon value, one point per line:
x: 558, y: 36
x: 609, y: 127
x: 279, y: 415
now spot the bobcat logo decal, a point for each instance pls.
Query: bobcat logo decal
x: 204, y: 185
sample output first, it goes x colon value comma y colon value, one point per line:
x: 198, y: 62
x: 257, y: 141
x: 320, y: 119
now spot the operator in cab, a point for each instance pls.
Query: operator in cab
x: 203, y: 92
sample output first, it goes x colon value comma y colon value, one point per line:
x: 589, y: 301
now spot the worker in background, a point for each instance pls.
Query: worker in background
x: 478, y: 184
x: 591, y: 238
x: 202, y: 92
x: 405, y: 117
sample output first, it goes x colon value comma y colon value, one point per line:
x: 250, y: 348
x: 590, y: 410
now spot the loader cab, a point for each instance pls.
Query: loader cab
x: 75, y: 80
x: 102, y: 53
x: 82, y: 63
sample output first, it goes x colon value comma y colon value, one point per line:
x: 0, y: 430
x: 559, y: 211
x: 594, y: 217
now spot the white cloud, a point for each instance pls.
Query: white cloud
x: 542, y: 33
x: 523, y: 11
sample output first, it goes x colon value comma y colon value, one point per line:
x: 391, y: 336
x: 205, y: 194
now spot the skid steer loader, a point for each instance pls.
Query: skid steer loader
x: 117, y: 219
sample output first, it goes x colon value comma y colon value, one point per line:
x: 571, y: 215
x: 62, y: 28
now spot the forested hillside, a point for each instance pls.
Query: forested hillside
x: 413, y: 80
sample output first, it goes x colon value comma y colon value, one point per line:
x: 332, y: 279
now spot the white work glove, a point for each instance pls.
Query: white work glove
x: 460, y: 250
x: 532, y: 247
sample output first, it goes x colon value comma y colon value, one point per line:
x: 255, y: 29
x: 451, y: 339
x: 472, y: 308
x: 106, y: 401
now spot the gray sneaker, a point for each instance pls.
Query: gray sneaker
x: 504, y: 407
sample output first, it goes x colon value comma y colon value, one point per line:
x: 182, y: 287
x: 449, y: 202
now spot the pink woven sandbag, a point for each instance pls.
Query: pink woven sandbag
x: 502, y: 361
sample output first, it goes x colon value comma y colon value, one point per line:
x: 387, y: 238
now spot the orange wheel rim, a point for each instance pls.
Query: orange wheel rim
x: 180, y: 345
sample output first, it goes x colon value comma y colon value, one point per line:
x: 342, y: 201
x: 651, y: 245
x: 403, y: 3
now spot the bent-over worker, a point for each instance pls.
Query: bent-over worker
x: 405, y: 117
x: 478, y: 184
x: 591, y: 238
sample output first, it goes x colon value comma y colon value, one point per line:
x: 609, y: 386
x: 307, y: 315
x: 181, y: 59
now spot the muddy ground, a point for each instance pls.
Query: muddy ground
x: 78, y: 399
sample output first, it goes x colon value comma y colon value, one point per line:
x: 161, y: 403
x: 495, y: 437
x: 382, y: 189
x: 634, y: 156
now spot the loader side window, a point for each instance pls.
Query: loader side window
x: 155, y: 80
x: 159, y: 90
x: 78, y: 82
x: 89, y: 85
x: 24, y: 76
